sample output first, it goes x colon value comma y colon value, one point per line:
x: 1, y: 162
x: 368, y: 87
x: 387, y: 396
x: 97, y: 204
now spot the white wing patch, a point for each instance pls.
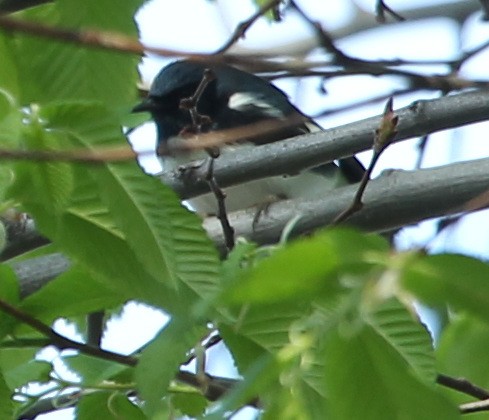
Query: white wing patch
x: 243, y: 101
x: 312, y: 126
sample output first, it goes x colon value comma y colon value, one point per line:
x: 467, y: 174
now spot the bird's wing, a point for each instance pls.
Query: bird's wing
x: 255, y: 107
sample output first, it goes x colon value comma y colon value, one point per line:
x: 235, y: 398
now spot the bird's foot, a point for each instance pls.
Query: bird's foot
x: 264, y: 207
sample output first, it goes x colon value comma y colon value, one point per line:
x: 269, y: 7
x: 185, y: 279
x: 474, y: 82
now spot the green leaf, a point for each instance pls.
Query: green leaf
x: 123, y: 409
x: 270, y: 14
x: 9, y: 292
x: 94, y: 406
x: 168, y: 240
x: 171, y: 345
x: 260, y: 378
x: 269, y: 326
x: 307, y: 266
x: 300, y: 269
x: 462, y: 351
x: 192, y: 405
x: 244, y: 351
x: 68, y: 208
x: 75, y: 292
x: 9, y: 84
x: 454, y: 279
x: 68, y: 71
x: 367, y: 379
x: 42, y: 186
x: 19, y: 367
x: 6, y: 403
x: 91, y: 370
x: 406, y: 336
x: 86, y: 232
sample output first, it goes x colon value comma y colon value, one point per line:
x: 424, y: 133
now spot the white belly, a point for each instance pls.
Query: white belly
x: 307, y: 185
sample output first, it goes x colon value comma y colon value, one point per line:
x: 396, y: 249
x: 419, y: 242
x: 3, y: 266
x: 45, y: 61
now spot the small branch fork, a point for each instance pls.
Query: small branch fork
x: 200, y: 123
x: 62, y: 342
x: 214, y: 387
x: 116, y: 41
x: 466, y: 387
x: 384, y: 135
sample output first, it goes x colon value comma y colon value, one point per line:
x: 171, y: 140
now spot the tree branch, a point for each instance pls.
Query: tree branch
x: 462, y: 385
x: 391, y: 201
x: 60, y: 341
x: 293, y: 155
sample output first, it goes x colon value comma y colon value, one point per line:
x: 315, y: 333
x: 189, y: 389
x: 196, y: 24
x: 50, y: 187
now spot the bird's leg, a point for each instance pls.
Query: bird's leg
x: 264, y: 207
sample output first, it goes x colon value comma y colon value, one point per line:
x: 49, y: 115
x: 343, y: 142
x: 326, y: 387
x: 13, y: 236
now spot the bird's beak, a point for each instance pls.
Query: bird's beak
x: 147, y: 105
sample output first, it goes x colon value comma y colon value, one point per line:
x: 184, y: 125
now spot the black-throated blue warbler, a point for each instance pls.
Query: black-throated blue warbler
x: 234, y: 98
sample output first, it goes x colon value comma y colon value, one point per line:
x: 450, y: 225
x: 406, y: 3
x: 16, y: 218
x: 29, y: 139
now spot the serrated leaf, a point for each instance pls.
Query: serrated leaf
x: 442, y: 279
x: 68, y: 71
x: 75, y: 292
x: 168, y: 240
x: 85, y: 230
x: 307, y: 267
x: 82, y: 224
x: 45, y: 185
x: 152, y: 376
x: 269, y: 326
x: 406, y: 336
x: 365, y: 378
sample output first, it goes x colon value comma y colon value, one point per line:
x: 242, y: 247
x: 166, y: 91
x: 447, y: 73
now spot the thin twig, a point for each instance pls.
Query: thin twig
x: 227, y: 229
x: 117, y: 41
x: 48, y: 405
x: 462, y: 385
x: 198, y: 123
x: 89, y: 38
x: 485, y: 9
x: 474, y: 407
x: 214, y: 139
x: 242, y: 27
x: 381, y: 8
x: 99, y: 155
x: 62, y: 342
x: 445, y: 82
x: 384, y: 135
x: 95, y: 328
x: 423, y: 142
x: 215, y: 386
x: 211, y: 342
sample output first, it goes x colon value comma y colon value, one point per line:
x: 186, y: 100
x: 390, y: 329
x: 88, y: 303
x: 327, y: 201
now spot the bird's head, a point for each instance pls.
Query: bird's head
x: 174, y: 83
x: 231, y: 99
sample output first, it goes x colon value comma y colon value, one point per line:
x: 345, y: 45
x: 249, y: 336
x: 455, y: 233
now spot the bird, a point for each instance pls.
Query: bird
x: 234, y: 98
